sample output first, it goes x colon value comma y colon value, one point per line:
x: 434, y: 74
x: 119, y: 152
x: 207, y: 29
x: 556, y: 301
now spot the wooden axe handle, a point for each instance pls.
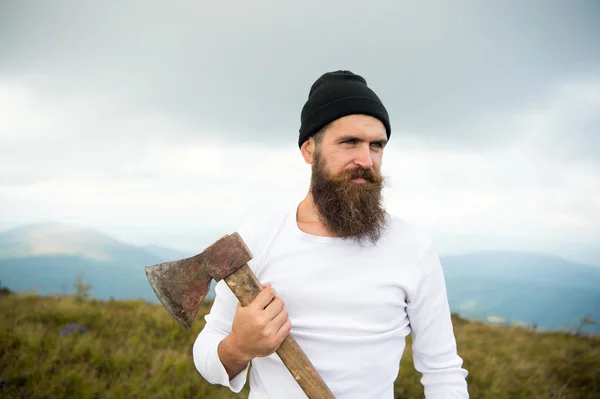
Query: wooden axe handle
x: 245, y: 286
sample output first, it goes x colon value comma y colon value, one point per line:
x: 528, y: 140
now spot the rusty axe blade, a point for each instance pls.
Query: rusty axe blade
x: 182, y: 285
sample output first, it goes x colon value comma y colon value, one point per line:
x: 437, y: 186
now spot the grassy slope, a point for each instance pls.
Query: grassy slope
x: 135, y: 350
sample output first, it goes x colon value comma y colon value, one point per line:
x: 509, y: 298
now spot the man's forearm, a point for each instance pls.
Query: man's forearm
x: 233, y: 361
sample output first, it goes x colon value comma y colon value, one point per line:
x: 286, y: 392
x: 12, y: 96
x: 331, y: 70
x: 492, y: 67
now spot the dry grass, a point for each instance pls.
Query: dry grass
x: 135, y: 350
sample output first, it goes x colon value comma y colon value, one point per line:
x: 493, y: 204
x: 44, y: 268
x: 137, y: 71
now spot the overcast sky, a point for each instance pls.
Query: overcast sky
x: 159, y: 122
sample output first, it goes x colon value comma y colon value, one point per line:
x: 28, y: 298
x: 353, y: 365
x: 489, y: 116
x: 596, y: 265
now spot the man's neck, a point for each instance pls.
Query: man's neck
x: 308, y: 220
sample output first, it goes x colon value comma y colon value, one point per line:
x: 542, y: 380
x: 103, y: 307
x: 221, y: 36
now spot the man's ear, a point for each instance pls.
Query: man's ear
x: 308, y: 149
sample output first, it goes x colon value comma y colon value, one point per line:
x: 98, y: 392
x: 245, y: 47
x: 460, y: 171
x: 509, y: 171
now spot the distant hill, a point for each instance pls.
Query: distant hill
x: 495, y: 287
x: 53, y: 239
x: 47, y: 257
x: 518, y: 287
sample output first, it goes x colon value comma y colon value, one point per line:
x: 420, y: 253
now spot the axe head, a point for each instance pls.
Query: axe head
x: 182, y: 285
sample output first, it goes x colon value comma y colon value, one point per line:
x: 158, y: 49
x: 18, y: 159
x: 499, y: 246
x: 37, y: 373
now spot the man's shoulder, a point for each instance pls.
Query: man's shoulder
x: 261, y: 222
x: 264, y: 216
x: 403, y: 230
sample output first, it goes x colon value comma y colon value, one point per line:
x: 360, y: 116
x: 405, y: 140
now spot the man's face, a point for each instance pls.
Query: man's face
x: 346, y: 181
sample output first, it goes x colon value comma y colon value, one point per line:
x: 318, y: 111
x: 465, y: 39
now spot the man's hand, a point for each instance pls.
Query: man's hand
x: 257, y: 331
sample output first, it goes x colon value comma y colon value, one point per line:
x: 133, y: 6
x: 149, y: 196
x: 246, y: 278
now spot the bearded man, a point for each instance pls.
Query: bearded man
x: 348, y: 280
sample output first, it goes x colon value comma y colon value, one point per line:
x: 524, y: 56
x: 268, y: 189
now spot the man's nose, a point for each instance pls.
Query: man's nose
x: 364, y: 157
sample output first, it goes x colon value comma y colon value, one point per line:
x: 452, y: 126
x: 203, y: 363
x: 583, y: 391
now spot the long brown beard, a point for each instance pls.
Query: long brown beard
x: 349, y: 209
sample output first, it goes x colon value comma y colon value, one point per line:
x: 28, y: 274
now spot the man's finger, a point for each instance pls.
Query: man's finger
x: 264, y: 297
x: 284, y: 330
x: 274, y: 308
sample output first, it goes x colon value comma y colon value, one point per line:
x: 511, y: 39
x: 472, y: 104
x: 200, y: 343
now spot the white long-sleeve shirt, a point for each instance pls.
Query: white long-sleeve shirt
x: 350, y: 307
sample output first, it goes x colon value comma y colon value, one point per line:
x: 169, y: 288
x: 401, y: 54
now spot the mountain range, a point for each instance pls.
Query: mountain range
x: 47, y: 257
x: 492, y: 286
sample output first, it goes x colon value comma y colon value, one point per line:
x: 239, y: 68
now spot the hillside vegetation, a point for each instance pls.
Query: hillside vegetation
x: 70, y: 347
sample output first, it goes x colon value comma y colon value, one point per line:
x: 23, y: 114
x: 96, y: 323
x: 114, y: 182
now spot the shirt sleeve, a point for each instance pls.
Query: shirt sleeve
x: 217, y: 327
x: 433, y: 342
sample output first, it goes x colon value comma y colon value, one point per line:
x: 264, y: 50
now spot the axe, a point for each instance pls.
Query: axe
x: 182, y: 285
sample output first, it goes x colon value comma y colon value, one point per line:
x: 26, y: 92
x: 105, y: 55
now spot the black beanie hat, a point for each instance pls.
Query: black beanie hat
x: 337, y: 94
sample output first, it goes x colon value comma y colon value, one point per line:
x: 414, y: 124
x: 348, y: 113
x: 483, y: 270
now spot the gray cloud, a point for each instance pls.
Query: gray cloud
x: 130, y: 109
x: 244, y: 71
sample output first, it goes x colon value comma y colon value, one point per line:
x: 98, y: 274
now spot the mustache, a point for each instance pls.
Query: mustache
x: 360, y: 172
